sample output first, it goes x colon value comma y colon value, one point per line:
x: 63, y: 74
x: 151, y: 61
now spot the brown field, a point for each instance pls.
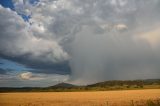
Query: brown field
x: 97, y: 98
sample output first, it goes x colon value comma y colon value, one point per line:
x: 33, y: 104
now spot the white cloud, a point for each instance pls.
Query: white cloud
x: 28, y: 79
x: 38, y: 76
x: 31, y: 76
x: 17, y: 39
x: 120, y: 27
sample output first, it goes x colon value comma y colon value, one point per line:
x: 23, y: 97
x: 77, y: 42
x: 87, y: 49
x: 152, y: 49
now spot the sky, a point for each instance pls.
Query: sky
x: 45, y: 42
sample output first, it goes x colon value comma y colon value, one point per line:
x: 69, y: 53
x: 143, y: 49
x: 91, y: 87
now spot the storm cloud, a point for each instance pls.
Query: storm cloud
x: 89, y: 40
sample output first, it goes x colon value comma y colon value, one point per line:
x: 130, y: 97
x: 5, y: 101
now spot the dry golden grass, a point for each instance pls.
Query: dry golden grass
x: 97, y: 98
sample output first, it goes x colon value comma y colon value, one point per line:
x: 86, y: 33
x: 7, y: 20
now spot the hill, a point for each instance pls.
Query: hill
x: 126, y: 82
x: 100, y: 86
x: 63, y: 85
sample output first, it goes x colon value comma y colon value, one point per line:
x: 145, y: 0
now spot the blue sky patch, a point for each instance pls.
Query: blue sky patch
x: 7, y: 64
x: 7, y: 4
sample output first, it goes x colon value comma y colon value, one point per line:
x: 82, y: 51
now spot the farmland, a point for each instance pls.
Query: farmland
x: 91, y: 98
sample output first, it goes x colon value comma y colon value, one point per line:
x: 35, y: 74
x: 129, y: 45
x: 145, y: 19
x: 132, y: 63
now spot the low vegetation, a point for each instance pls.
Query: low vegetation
x: 101, y: 86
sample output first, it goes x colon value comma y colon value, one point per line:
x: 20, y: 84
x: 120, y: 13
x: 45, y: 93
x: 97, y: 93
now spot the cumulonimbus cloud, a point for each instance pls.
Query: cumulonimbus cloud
x: 93, y: 40
x: 18, y: 41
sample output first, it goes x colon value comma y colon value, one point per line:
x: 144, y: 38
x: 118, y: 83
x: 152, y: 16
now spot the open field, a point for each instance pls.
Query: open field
x: 97, y: 98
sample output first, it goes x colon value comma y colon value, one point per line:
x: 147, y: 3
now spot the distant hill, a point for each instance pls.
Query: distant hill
x: 126, y: 82
x: 63, y: 85
x: 100, y: 86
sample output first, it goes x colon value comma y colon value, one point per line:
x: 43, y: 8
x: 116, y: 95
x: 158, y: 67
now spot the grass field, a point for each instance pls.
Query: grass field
x: 150, y: 97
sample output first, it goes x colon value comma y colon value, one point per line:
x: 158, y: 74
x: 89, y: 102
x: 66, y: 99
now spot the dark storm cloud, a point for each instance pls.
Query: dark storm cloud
x: 5, y: 71
x: 41, y: 67
x: 19, y: 44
